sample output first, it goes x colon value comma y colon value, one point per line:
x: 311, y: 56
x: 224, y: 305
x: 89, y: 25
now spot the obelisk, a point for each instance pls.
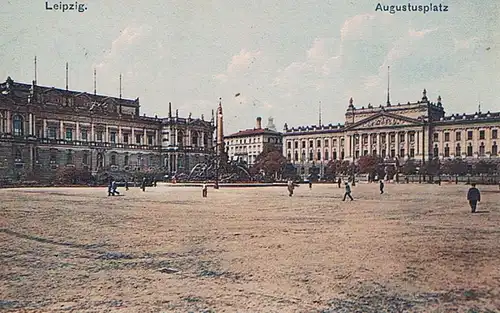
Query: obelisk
x: 220, y: 129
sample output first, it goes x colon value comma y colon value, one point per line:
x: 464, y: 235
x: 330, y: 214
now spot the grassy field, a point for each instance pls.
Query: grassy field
x: 416, y: 248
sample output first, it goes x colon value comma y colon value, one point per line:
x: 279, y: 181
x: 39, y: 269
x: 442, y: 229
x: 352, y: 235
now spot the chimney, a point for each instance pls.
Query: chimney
x: 259, y: 123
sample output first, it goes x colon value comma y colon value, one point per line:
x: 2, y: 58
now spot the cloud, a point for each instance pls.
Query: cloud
x: 354, y: 28
x: 239, y: 63
x: 128, y: 37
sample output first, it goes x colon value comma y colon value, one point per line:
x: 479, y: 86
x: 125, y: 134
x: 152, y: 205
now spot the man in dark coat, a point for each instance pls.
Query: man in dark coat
x: 347, y: 192
x: 381, y: 186
x: 339, y: 181
x: 474, y: 196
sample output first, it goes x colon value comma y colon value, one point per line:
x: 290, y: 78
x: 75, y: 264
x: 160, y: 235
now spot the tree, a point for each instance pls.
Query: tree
x: 72, y: 175
x: 369, y: 164
x: 332, y: 169
x: 289, y: 172
x: 455, y: 167
x: 270, y: 161
x: 409, y: 168
x: 390, y: 171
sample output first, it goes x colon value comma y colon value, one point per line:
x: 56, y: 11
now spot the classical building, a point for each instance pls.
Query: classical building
x: 43, y: 129
x: 247, y: 144
x: 418, y: 130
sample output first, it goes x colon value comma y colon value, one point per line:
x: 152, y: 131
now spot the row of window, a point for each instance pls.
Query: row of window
x: 99, y: 136
x: 469, y: 150
x: 363, y: 138
x: 253, y: 140
x: 470, y: 135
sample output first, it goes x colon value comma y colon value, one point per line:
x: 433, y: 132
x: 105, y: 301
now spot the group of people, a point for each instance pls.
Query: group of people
x: 113, y: 186
x: 473, y: 194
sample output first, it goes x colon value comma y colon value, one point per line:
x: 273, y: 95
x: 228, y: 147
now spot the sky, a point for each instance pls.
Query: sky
x: 284, y: 58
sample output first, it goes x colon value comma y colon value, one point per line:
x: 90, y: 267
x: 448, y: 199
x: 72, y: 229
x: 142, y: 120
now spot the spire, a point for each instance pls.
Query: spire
x: 120, y: 85
x: 320, y: 114
x: 95, y: 87
x: 170, y: 109
x: 66, y: 75
x: 34, y: 82
x: 388, y: 84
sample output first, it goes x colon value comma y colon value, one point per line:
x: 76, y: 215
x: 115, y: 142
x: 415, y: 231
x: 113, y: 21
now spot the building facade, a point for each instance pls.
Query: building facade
x: 43, y: 129
x: 247, y: 144
x: 420, y: 131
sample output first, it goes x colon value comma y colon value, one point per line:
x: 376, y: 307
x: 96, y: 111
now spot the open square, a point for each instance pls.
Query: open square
x: 416, y: 248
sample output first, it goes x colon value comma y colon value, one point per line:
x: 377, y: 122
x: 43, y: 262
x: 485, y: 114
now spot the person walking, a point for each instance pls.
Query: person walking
x: 474, y: 196
x: 110, y: 187
x: 339, y: 182
x: 113, y: 188
x: 290, y: 187
x: 310, y: 184
x: 381, y: 186
x: 143, y: 184
x: 204, y: 190
x: 347, y: 192
x: 126, y: 184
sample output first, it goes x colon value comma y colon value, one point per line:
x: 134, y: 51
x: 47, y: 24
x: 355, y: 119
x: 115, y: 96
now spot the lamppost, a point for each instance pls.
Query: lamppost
x: 216, y: 159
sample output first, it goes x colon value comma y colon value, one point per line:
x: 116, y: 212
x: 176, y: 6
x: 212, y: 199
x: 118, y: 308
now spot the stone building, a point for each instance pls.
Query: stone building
x: 415, y: 130
x: 247, y: 144
x: 43, y: 129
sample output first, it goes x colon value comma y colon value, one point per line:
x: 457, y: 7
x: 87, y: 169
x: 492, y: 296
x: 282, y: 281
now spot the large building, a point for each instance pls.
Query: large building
x: 418, y: 130
x: 246, y: 145
x: 43, y: 129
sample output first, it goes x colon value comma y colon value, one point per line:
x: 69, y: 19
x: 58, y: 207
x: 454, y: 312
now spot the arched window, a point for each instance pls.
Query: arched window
x: 311, y: 156
x: 436, y: 151
x: 469, y: 150
x: 494, y: 149
x: 113, y: 159
x: 289, y: 156
x: 319, y: 155
x: 18, y: 155
x: 446, y: 151
x: 17, y: 123
x: 2, y: 124
x: 303, y: 156
x: 458, y: 150
x: 482, y: 149
x: 125, y: 160
x: 100, y: 160
x: 194, y: 139
x: 327, y: 156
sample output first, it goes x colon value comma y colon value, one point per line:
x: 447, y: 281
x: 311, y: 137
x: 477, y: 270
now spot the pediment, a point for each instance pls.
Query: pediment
x: 384, y: 120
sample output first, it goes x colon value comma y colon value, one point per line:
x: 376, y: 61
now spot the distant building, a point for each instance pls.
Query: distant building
x: 418, y: 130
x: 247, y: 144
x: 43, y: 129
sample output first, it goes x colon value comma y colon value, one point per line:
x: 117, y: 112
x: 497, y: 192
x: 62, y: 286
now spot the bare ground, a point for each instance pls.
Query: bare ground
x: 416, y: 248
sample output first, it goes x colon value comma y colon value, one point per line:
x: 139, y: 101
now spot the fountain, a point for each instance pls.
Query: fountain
x: 219, y: 168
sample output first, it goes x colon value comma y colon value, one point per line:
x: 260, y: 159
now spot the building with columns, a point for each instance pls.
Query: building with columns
x: 246, y: 145
x: 415, y: 130
x: 43, y: 129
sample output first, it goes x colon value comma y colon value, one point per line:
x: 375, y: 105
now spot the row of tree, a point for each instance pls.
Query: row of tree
x: 271, y: 164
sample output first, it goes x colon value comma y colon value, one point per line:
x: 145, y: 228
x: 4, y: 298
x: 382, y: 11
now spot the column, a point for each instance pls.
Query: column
x: 203, y: 139
x: 348, y: 147
x: 379, y: 151
x: 61, y: 129
x: 132, y: 134
x: 107, y: 134
x: 30, y: 128
x: 387, y: 144
x: 34, y: 126
x: 120, y: 135
x: 370, y: 143
x: 407, y: 144
x: 417, y: 143
x: 44, y: 130
x: 145, y: 137
x: 9, y: 123
x: 77, y: 135
x: 155, y: 139
x: 92, y: 132
x: 397, y: 144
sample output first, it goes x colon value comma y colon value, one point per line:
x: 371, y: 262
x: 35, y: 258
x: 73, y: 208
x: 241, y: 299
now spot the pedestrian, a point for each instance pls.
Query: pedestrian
x: 290, y: 187
x: 204, y: 190
x: 113, y: 188
x: 310, y: 184
x: 154, y: 182
x: 339, y: 182
x: 143, y: 184
x: 110, y: 187
x: 126, y: 184
x: 381, y: 186
x: 474, y: 196
x: 347, y: 192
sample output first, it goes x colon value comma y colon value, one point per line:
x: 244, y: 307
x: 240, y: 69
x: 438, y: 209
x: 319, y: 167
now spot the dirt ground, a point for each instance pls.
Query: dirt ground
x: 416, y: 248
